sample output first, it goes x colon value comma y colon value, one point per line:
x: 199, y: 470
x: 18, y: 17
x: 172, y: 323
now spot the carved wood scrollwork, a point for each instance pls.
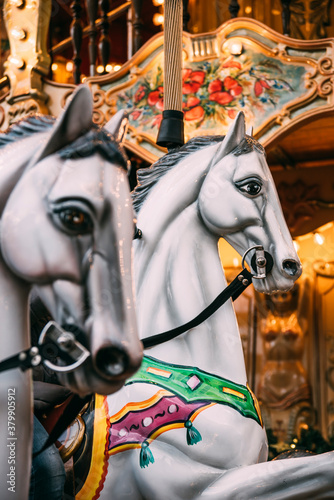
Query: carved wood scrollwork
x: 325, y: 66
x: 101, y: 98
x: 98, y: 98
x: 325, y: 88
x: 24, y: 108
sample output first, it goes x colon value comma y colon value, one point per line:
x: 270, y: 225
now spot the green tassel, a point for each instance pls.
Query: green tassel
x: 146, y: 456
x: 193, y: 435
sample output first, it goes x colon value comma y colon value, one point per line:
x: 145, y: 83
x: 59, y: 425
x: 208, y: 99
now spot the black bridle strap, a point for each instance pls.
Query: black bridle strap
x: 34, y: 356
x: 233, y: 290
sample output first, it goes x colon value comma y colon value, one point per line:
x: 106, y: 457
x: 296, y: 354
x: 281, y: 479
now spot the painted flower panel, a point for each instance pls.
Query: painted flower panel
x: 214, y: 91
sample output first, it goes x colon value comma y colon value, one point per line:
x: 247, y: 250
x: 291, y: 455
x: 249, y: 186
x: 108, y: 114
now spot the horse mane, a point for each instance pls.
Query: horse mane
x: 148, y: 177
x: 26, y: 127
x: 95, y: 140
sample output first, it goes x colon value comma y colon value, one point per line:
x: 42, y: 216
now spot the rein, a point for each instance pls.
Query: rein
x: 56, y: 342
x: 233, y: 290
x: 262, y: 262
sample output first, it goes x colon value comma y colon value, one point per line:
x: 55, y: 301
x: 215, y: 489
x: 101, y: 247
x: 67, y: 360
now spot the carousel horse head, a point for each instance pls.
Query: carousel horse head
x: 67, y: 229
x: 230, y: 181
x: 239, y: 201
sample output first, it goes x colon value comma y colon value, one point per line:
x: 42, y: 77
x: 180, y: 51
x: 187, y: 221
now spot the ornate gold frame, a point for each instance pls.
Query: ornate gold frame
x: 315, y: 56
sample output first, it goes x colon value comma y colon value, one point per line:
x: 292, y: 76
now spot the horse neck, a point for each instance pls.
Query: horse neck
x: 13, y: 312
x: 178, y: 278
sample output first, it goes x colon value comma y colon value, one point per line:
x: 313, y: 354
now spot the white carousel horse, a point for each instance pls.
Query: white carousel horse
x: 186, y: 426
x: 66, y: 226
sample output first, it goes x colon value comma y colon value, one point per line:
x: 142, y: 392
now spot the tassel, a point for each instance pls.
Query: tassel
x: 193, y: 435
x: 146, y: 456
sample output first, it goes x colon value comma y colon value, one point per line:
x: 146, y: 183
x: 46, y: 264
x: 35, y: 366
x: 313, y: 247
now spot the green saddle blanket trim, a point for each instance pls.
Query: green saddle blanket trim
x: 193, y: 385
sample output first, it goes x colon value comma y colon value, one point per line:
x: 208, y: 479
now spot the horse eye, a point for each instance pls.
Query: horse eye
x: 252, y: 188
x: 76, y: 220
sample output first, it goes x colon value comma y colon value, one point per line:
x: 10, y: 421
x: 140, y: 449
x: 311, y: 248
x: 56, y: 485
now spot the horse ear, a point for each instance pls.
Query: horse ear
x: 76, y: 119
x: 233, y: 137
x: 117, y: 125
x: 249, y: 131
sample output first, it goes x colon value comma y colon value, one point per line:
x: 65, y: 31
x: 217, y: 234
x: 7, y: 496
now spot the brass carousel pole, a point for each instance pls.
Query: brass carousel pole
x: 171, y: 132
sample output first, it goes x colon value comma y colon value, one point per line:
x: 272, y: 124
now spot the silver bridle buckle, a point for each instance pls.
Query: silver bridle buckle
x: 63, y: 344
x: 260, y: 261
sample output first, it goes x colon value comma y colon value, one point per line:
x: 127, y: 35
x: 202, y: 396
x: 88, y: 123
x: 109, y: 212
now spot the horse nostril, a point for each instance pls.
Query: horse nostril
x: 111, y: 361
x: 291, y: 267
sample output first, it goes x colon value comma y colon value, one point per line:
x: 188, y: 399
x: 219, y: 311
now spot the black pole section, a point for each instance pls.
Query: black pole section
x: 171, y: 132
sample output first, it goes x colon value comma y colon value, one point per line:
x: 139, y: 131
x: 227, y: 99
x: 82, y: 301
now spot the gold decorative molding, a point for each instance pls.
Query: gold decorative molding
x: 27, y: 23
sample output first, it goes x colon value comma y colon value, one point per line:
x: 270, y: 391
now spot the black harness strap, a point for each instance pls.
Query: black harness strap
x: 233, y: 290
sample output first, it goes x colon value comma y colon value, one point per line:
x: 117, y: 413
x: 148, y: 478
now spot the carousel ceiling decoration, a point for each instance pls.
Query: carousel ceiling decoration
x: 276, y: 81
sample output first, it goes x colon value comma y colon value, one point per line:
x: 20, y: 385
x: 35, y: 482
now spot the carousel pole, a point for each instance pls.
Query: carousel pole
x: 171, y: 132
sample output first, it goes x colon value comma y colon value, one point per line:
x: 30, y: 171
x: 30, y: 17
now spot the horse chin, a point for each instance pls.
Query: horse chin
x: 272, y: 284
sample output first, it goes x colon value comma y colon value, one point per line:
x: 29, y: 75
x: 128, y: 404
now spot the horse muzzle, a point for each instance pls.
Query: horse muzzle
x: 292, y: 268
x: 65, y: 350
x: 111, y: 362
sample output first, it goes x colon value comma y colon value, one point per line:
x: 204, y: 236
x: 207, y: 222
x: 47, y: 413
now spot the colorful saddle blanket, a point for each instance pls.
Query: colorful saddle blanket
x: 184, y: 393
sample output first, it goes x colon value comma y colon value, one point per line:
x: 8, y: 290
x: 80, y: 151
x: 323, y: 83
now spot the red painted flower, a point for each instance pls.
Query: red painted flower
x: 192, y: 80
x: 232, y: 64
x: 156, y: 98
x: 235, y: 91
x: 215, y: 86
x: 192, y: 101
x: 232, y: 113
x: 259, y: 86
x: 192, y: 110
x: 265, y: 84
x: 195, y: 113
x: 221, y: 97
x: 135, y: 114
x: 156, y: 122
x: 140, y: 94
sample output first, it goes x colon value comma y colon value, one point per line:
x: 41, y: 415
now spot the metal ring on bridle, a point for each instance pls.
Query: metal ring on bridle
x: 69, y: 350
x: 260, y: 261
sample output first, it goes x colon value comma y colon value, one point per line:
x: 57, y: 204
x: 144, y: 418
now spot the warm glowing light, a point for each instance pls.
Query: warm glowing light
x: 158, y: 19
x: 117, y: 67
x: 100, y: 69
x: 69, y: 66
x: 19, y: 4
x: 276, y: 12
x: 19, y: 63
x: 109, y: 67
x: 318, y: 239
x: 19, y: 34
x: 236, y: 48
x: 236, y: 262
x: 54, y: 66
x: 248, y: 9
x: 157, y: 3
x: 292, y: 446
